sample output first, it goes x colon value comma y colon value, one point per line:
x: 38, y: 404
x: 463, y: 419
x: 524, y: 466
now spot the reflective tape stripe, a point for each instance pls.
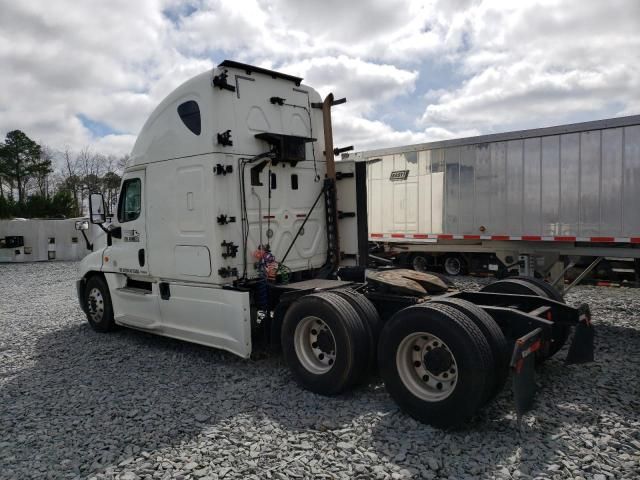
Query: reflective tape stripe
x: 528, y: 238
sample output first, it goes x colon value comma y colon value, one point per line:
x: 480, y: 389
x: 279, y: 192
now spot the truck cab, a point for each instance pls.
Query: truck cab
x: 224, y: 171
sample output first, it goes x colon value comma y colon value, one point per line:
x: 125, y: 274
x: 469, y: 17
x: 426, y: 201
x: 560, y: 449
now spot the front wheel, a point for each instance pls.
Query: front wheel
x: 98, y: 305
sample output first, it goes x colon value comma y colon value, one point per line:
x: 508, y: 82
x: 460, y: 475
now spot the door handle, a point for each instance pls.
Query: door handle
x: 141, y: 257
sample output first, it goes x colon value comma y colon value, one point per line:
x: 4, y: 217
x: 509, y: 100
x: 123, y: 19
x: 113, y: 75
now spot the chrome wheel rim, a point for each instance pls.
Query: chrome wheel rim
x: 315, y: 345
x: 419, y: 264
x: 426, y: 366
x: 95, y: 305
x: 452, y: 266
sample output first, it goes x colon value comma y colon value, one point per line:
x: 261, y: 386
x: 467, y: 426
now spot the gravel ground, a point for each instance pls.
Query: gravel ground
x: 77, y: 404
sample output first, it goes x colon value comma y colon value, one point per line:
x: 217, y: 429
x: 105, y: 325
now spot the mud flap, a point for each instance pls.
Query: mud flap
x: 523, y: 365
x: 581, y: 349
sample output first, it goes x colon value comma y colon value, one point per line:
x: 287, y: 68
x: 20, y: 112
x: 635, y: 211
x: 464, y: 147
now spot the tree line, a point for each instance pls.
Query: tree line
x: 37, y: 181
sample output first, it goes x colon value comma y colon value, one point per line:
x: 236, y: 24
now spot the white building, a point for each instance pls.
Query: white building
x: 34, y: 240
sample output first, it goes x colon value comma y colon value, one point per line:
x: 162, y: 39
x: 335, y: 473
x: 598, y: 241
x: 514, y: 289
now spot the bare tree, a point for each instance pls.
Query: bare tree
x: 71, y: 179
x: 122, y: 163
x: 43, y: 176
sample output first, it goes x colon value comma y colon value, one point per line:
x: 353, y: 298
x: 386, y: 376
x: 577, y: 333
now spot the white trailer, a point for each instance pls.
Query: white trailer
x: 235, y: 227
x: 519, y: 200
x: 38, y: 240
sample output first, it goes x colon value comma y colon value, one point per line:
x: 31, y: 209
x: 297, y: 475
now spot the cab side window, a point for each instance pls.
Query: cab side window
x: 190, y: 115
x: 130, y: 200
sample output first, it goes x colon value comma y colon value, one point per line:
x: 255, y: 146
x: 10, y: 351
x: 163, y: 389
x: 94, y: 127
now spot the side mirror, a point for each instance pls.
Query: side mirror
x: 82, y: 225
x: 97, y: 208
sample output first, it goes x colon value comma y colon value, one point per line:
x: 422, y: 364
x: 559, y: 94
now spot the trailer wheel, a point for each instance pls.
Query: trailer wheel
x: 371, y: 320
x: 98, y: 306
x: 435, y: 363
x: 531, y: 286
x: 454, y: 265
x: 324, y: 343
x: 495, y: 338
x: 419, y: 263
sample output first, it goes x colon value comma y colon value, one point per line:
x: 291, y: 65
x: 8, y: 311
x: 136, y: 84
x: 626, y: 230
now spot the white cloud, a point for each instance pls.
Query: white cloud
x: 368, y: 83
x: 373, y: 134
x: 540, y: 64
x: 110, y: 62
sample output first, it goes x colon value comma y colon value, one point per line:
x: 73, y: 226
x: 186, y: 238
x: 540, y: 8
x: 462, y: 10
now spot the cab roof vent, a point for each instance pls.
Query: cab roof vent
x: 249, y: 69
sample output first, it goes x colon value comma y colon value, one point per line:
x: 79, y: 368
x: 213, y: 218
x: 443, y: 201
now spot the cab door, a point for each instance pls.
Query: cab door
x: 129, y: 252
x: 126, y: 266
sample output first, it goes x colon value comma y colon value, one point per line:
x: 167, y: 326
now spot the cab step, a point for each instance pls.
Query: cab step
x: 134, y: 290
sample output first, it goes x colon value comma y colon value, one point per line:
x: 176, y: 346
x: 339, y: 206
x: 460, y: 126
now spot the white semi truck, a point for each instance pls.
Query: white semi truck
x: 235, y: 228
x: 530, y: 201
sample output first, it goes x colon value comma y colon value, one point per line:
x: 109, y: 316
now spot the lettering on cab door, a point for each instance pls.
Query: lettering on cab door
x: 130, y: 236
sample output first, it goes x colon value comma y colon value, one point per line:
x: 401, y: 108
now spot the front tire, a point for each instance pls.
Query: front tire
x: 98, y: 305
x: 436, y: 363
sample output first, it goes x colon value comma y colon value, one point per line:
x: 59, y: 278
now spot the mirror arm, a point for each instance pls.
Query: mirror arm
x: 116, y: 232
x: 105, y: 229
x: 86, y: 239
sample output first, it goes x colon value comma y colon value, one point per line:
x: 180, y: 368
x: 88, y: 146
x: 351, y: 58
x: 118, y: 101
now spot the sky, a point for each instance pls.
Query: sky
x: 78, y: 74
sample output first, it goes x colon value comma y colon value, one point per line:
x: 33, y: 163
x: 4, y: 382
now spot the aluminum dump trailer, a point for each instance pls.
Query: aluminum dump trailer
x: 541, y: 193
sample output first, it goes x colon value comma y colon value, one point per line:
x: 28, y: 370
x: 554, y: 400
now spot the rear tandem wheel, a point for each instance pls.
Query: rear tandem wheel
x: 435, y: 363
x: 371, y: 320
x: 498, y: 344
x: 533, y: 286
x: 325, y: 343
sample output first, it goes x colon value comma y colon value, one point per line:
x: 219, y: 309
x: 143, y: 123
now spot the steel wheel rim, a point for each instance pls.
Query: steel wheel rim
x: 95, y: 305
x: 419, y: 263
x: 453, y: 266
x: 415, y: 357
x: 315, y: 345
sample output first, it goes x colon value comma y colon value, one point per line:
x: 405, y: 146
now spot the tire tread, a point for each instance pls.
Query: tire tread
x: 495, y: 338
